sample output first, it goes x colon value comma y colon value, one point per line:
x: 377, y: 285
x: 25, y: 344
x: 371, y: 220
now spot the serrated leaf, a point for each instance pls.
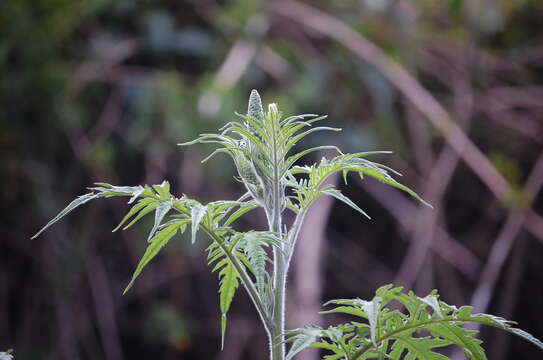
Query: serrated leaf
x: 397, y: 336
x: 227, y: 289
x: 418, y: 348
x: 71, y: 206
x: 157, y: 242
x: 460, y: 336
x: 253, y: 246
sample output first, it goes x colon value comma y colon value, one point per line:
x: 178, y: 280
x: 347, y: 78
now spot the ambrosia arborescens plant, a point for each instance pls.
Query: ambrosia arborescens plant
x: 260, y: 144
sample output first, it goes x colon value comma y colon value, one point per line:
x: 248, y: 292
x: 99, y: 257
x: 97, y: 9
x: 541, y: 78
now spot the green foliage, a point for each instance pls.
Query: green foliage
x: 260, y: 145
x: 428, y: 325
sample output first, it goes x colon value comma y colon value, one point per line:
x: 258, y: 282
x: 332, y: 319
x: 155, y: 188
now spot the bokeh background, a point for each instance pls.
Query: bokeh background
x: 103, y: 90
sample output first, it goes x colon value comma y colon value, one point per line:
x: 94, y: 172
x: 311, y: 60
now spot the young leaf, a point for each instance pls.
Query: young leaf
x: 162, y: 209
x: 150, y: 207
x: 253, y: 244
x: 160, y: 239
x: 338, y: 195
x: 198, y: 212
x: 71, y: 206
x: 303, y: 339
x: 372, y: 308
x: 227, y: 289
x: 134, y: 210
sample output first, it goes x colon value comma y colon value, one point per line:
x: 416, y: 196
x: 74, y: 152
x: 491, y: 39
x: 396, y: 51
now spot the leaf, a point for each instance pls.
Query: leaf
x: 391, y: 334
x: 526, y: 336
x: 134, y: 210
x: 385, y: 178
x: 253, y: 245
x: 198, y: 212
x: 433, y: 302
x: 71, y: 206
x: 338, y: 195
x: 227, y: 289
x: 346, y: 310
x: 146, y: 210
x: 241, y: 211
x: 157, y: 242
x: 418, y: 348
x: 162, y: 209
x: 303, y: 339
x: 107, y: 190
x: 163, y: 190
x: 372, y: 308
x: 460, y: 336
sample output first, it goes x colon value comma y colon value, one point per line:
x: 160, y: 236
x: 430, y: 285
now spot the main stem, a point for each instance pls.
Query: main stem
x: 277, y: 344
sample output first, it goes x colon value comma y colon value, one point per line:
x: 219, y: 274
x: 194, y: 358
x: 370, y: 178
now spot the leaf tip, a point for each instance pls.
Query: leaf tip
x: 128, y: 287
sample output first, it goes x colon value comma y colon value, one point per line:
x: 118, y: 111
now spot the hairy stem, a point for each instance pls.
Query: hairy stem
x: 277, y: 346
x: 277, y: 343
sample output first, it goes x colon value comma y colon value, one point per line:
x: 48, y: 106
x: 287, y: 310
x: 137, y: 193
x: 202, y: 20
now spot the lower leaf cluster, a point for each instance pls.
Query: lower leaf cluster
x: 383, y: 332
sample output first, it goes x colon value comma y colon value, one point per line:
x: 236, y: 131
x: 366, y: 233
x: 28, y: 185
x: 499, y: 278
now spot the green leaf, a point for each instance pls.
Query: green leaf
x: 160, y: 239
x: 198, y: 212
x: 134, y: 210
x: 150, y: 207
x: 305, y: 337
x: 227, y: 289
x: 338, y: 195
x: 71, y: 206
x: 527, y: 336
x: 245, y: 208
x: 433, y: 302
x: 391, y: 334
x: 253, y: 244
x: 346, y: 310
x: 372, y: 308
x: 385, y: 178
x: 162, y: 210
x: 418, y: 348
x: 107, y: 190
x: 460, y: 336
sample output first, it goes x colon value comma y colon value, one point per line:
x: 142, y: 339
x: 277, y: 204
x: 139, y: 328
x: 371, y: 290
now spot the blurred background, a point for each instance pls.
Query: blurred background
x: 103, y: 90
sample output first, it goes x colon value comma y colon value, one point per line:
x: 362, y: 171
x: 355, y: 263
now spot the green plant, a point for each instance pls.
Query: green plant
x: 259, y: 145
x: 429, y: 324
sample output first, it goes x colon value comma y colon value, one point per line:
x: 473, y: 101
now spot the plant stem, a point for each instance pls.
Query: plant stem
x: 277, y: 346
x: 277, y: 343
